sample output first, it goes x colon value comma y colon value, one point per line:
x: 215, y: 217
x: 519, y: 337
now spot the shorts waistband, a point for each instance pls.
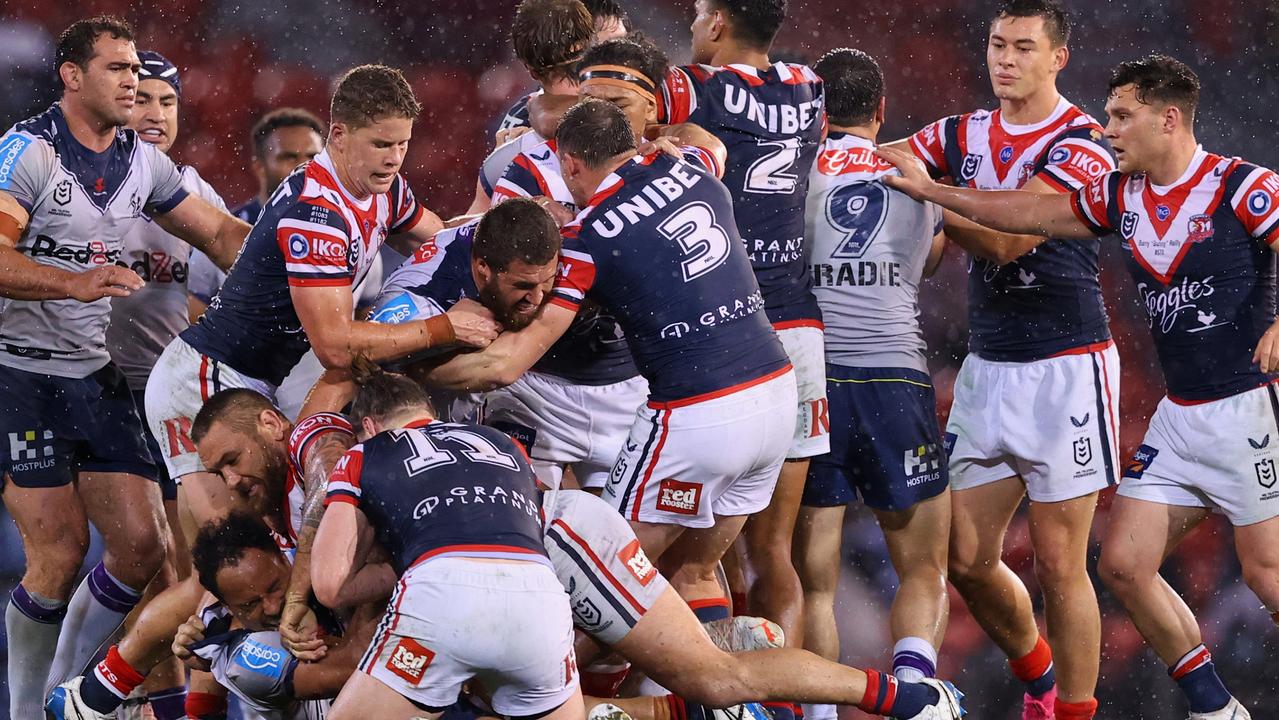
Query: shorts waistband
x: 716, y: 394
x: 1183, y: 402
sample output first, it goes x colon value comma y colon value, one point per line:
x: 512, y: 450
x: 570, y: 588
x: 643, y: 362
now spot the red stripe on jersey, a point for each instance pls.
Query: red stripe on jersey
x: 400, y: 590
x: 204, y: 378
x: 1092, y: 200
x: 523, y: 161
x: 332, y: 281
x: 794, y: 76
x: 1188, y: 403
x: 349, y: 467
x: 606, y: 193
x: 1174, y: 199
x: 789, y: 324
x: 750, y: 78
x: 576, y: 275
x: 1085, y: 349
x: 595, y: 559
x: 1258, y: 203
x: 1054, y: 183
x: 720, y: 393
x: 677, y: 95
x: 478, y: 549
x: 652, y: 465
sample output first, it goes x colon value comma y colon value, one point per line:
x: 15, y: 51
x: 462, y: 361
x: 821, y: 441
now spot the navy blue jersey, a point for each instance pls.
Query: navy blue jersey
x: 1200, y: 253
x: 436, y: 489
x: 1048, y: 301
x: 517, y: 115
x: 771, y: 121
x: 250, y: 211
x: 592, y: 352
x: 658, y: 247
x: 312, y: 233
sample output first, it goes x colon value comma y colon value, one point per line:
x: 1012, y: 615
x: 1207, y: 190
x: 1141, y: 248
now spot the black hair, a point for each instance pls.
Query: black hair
x: 550, y: 35
x: 594, y: 131
x: 854, y: 86
x: 606, y: 9
x: 1056, y: 19
x: 75, y: 44
x: 1159, y: 79
x: 237, y: 407
x: 517, y: 229
x: 223, y: 543
x: 633, y: 51
x: 278, y: 119
x: 381, y: 395
x: 754, y: 22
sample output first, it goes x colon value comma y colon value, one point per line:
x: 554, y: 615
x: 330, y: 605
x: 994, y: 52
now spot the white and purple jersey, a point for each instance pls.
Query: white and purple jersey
x: 771, y: 121
x: 1201, y: 255
x: 658, y: 247
x: 83, y: 205
x: 434, y: 489
x: 144, y: 323
x: 1048, y: 301
x: 312, y: 233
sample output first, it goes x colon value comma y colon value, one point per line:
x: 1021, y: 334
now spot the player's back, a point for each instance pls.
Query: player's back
x: 658, y: 248
x: 435, y: 489
x: 770, y: 120
x: 870, y: 245
x: 1049, y: 300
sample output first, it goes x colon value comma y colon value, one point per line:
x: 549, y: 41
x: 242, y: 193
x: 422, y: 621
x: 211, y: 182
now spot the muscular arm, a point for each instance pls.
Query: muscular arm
x: 935, y: 254
x: 339, y: 553
x: 506, y: 359
x: 998, y: 247
x: 324, y: 679
x: 690, y: 134
x: 1009, y: 211
x: 214, y: 232
x: 326, y: 314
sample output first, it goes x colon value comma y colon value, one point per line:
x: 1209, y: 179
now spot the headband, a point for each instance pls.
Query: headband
x: 619, y: 76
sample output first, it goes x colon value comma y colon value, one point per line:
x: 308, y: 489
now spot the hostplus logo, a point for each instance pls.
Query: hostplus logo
x: 31, y: 450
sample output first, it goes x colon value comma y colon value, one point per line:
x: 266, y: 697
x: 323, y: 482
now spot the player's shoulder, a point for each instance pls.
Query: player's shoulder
x: 309, y: 194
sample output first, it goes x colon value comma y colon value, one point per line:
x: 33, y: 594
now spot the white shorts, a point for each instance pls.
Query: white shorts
x: 1222, y: 454
x: 806, y: 347
x: 1054, y: 422
x: 685, y: 463
x: 451, y: 620
x: 562, y: 423
x: 598, y: 559
x: 180, y: 383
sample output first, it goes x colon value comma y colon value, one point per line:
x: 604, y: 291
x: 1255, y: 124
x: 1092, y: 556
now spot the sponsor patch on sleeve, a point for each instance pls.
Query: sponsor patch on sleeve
x: 637, y: 562
x: 10, y: 151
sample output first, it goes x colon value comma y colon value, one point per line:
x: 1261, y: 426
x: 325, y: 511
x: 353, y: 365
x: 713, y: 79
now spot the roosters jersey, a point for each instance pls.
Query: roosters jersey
x: 534, y: 171
x: 592, y: 352
x: 435, y: 489
x: 771, y: 121
x: 82, y: 205
x: 1200, y: 253
x: 658, y: 247
x: 870, y: 244
x: 311, y: 233
x: 1049, y: 300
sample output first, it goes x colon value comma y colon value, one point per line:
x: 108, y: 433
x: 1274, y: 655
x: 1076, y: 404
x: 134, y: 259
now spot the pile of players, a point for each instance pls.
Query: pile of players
x: 611, y: 417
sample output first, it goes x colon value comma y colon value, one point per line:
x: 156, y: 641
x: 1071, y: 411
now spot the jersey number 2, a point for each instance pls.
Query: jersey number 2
x: 704, y: 242
x: 426, y: 454
x: 773, y: 173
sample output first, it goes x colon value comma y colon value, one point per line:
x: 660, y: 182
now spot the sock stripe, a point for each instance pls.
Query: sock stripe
x: 34, y: 610
x: 1190, y: 662
x: 111, y: 593
x: 890, y: 692
x: 911, y: 659
x: 110, y: 681
x: 1083, y: 710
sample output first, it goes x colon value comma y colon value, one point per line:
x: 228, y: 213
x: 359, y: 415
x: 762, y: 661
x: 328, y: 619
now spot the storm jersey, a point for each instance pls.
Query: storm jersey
x: 144, y: 323
x: 1049, y: 300
x: 658, y: 247
x: 82, y: 206
x: 870, y: 244
x: 771, y: 121
x: 433, y: 490
x: 312, y: 233
x: 1201, y: 258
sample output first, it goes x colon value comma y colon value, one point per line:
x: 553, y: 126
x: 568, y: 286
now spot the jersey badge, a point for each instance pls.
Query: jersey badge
x: 1083, y: 451
x: 1140, y: 463
x: 62, y: 192
x: 968, y: 171
x: 1162, y: 212
x: 1199, y: 228
x: 1265, y: 472
x: 1006, y: 153
x: 1128, y: 225
x: 637, y: 562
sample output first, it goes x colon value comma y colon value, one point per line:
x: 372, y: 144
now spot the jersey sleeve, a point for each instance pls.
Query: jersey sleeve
x: 408, y: 211
x: 167, y: 190
x: 496, y: 167
x: 703, y: 158
x: 314, y: 241
x: 306, y: 432
x: 1256, y: 202
x: 929, y: 145
x: 257, y: 669
x: 344, y: 481
x: 521, y: 178
x: 1075, y: 159
x: 938, y: 217
x: 26, y: 165
x: 197, y: 185
x: 204, y: 279
x: 677, y: 99
x: 576, y: 272
x: 1094, y: 204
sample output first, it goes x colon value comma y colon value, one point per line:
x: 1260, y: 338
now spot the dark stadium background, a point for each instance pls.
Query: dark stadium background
x: 240, y: 59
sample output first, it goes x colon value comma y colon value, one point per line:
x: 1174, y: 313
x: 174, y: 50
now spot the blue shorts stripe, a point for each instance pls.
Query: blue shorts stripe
x: 589, y: 571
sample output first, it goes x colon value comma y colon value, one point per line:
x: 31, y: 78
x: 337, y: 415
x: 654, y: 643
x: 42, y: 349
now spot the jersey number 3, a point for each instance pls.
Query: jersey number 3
x: 704, y: 242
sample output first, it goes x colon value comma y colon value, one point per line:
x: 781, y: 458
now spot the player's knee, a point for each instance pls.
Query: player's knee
x: 1121, y: 573
x: 1058, y: 570
x: 1261, y: 575
x: 58, y: 563
x: 140, y: 554
x: 967, y: 569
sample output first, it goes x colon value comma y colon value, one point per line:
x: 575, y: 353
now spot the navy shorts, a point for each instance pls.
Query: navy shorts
x: 885, y: 443
x: 55, y: 427
x: 168, y: 488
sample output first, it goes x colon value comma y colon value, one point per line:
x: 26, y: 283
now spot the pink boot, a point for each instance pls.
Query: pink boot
x: 1039, y: 708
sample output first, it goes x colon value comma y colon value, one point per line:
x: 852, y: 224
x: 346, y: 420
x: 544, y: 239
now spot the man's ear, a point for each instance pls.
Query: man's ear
x: 719, y: 27
x: 369, y: 427
x: 274, y: 425
x: 72, y: 75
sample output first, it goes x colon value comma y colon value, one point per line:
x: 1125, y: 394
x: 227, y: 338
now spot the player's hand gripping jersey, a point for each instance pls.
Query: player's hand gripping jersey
x: 312, y: 232
x: 82, y: 206
x: 1201, y: 260
x: 658, y: 246
x: 771, y: 122
x: 1049, y: 300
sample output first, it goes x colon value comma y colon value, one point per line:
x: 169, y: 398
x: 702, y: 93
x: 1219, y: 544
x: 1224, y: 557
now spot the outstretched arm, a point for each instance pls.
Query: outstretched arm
x: 509, y: 356
x: 213, y: 231
x: 1009, y: 211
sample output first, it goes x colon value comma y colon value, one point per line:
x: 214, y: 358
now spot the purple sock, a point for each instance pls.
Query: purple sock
x: 169, y: 704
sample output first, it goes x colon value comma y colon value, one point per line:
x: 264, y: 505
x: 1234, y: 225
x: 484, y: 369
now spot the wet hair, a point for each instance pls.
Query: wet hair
x: 600, y: 9
x: 1056, y: 19
x: 550, y: 35
x: 634, y: 51
x: 594, y: 131
x: 369, y: 93
x: 223, y: 543
x: 754, y: 22
x: 517, y: 229
x: 237, y: 407
x: 279, y: 119
x: 381, y: 395
x: 75, y: 44
x: 1159, y: 80
x: 854, y: 86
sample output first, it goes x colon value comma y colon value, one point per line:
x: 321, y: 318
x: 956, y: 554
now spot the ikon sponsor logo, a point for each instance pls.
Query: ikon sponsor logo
x: 302, y: 246
x: 679, y: 497
x: 637, y: 562
x: 409, y: 660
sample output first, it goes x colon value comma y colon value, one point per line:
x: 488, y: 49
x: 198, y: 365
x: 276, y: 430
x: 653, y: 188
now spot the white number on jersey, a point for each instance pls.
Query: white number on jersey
x: 771, y: 174
x: 699, y: 236
x: 425, y: 454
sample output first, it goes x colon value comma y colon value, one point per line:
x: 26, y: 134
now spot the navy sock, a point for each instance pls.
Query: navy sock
x: 708, y: 610
x: 1197, y: 677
